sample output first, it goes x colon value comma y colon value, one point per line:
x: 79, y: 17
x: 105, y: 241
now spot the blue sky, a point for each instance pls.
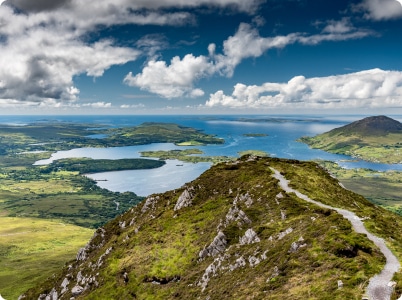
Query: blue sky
x: 200, y: 56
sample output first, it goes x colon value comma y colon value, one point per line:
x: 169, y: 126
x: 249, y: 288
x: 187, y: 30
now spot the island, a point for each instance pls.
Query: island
x: 255, y: 134
x: 376, y: 139
x: 187, y: 155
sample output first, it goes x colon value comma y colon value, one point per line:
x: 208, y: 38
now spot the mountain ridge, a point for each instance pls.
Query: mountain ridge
x: 234, y: 233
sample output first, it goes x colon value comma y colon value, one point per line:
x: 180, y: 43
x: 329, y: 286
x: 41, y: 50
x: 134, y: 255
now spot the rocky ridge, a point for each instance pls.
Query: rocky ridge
x: 232, y: 233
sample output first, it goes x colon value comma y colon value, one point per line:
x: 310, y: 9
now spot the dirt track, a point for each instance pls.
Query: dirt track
x: 379, y: 287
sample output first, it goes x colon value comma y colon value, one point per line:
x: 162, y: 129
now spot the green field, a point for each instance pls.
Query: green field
x: 382, y: 188
x: 32, y: 249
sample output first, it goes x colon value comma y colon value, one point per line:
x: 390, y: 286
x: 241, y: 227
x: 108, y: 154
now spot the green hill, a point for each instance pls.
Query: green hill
x: 234, y: 233
x: 377, y: 139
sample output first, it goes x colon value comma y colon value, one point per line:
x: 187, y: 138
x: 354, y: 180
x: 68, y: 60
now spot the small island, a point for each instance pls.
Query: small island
x: 255, y: 134
x: 187, y: 155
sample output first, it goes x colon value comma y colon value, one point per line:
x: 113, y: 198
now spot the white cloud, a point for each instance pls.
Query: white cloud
x: 98, y: 104
x: 247, y: 43
x: 174, y: 80
x: 127, y: 106
x: 177, y: 79
x: 339, y: 26
x: 380, y: 9
x: 43, y: 43
x: 371, y: 88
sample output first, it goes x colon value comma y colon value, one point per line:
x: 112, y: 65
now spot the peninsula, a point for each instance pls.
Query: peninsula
x: 375, y: 139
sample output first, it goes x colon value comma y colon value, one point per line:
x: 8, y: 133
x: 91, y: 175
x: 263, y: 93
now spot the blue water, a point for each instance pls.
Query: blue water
x: 282, y: 132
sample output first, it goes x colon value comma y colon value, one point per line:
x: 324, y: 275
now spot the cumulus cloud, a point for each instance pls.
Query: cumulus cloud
x: 380, y: 9
x: 174, y: 80
x: 44, y: 43
x: 370, y: 88
x: 177, y: 79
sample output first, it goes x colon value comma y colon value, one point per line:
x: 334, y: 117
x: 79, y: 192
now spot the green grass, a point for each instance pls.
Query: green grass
x: 32, y: 249
x: 385, y: 149
x: 65, y: 195
x: 162, y: 245
x: 381, y: 188
x: 88, y: 165
x: 187, y: 155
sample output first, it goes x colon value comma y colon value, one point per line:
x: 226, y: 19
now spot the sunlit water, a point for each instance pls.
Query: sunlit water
x: 282, y: 133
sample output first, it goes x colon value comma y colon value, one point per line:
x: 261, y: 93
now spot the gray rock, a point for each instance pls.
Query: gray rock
x: 217, y: 246
x: 184, y: 200
x: 297, y: 245
x: 122, y: 224
x: 149, y: 203
x: 282, y: 234
x: 240, y: 262
x: 237, y: 215
x: 249, y: 237
x: 82, y: 254
x: 77, y: 290
x: 64, y: 285
x: 211, y: 270
x: 79, y: 277
x: 253, y: 261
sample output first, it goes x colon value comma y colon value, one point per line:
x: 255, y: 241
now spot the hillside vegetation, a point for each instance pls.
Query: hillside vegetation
x: 377, y: 139
x: 233, y: 233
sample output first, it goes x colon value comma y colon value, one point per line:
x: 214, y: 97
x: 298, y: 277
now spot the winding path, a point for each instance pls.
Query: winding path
x: 379, y: 287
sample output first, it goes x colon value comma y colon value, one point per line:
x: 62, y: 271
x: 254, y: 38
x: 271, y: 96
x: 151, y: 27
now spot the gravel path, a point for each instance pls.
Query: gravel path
x: 380, y: 287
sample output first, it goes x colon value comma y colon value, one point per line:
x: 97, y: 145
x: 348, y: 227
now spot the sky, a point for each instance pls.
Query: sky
x: 200, y: 57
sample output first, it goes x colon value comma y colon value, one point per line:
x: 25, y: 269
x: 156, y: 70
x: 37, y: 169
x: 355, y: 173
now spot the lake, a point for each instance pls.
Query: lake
x: 280, y: 141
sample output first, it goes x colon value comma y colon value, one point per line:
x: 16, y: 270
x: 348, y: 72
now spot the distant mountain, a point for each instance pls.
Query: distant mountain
x: 235, y: 233
x: 370, y: 126
x: 377, y: 139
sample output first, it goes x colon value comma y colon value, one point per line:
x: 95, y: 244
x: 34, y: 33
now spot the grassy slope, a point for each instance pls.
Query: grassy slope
x: 384, y: 149
x: 32, y: 249
x: 162, y: 245
x: 382, y: 188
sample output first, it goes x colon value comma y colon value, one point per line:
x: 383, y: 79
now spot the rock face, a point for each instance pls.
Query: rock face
x: 217, y: 246
x: 233, y: 233
x: 250, y: 237
x: 184, y: 199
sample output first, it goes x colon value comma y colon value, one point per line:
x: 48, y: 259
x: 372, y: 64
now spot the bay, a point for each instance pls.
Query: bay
x: 281, y: 133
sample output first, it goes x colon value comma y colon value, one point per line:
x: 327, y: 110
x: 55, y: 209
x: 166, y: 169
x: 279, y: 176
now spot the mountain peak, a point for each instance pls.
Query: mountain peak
x: 371, y: 126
